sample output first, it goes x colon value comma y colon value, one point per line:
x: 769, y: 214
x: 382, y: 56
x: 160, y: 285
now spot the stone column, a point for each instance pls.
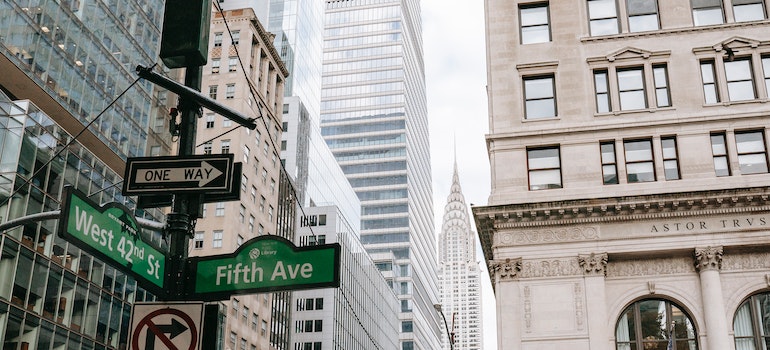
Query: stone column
x: 509, y: 302
x: 708, y: 262
x: 594, y: 270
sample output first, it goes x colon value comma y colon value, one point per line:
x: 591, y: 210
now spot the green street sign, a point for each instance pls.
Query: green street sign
x: 263, y: 264
x: 111, y: 233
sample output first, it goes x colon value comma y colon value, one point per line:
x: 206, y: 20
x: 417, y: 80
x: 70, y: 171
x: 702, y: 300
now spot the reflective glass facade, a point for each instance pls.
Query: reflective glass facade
x: 374, y: 118
x: 52, y: 294
x: 83, y: 54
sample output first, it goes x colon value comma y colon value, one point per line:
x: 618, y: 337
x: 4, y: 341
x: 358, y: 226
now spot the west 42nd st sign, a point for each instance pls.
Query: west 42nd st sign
x: 111, y: 233
x: 199, y: 173
x: 264, y: 263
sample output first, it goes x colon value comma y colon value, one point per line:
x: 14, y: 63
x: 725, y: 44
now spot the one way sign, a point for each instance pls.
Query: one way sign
x: 166, y: 326
x: 191, y: 174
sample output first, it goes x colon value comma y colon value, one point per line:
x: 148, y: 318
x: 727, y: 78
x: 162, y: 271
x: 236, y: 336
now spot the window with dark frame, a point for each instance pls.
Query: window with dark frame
x: 609, y: 163
x: 642, y: 15
x: 601, y: 84
x: 670, y: 158
x: 544, y: 166
x: 719, y: 152
x: 631, y: 88
x: 707, y: 12
x: 752, y: 154
x: 660, y: 79
x: 603, y: 17
x: 748, y: 10
x: 740, y: 80
x: 535, y: 27
x: 640, y: 326
x: 640, y: 166
x: 766, y: 72
x: 749, y: 320
x: 708, y: 74
x: 540, y: 97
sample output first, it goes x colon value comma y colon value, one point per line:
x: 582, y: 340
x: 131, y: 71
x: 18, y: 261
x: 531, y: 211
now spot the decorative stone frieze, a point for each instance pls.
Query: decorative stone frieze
x: 708, y: 258
x: 507, y: 269
x: 650, y: 267
x: 547, y: 235
x: 550, y: 268
x: 748, y: 261
x: 593, y: 264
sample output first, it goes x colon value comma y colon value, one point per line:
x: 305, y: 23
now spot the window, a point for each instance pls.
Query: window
x: 270, y: 213
x: 238, y: 241
x: 217, y: 39
x: 272, y: 186
x: 225, y: 145
x: 707, y: 12
x: 318, y: 326
x: 609, y: 163
x: 708, y: 74
x: 406, y: 326
x: 213, y: 91
x: 534, y: 23
x: 154, y: 151
x: 217, y: 241
x: 740, y: 83
x: 251, y: 223
x: 207, y: 148
x: 233, y: 63
x: 262, y: 204
x: 198, y: 240
x: 601, y: 84
x: 719, y: 151
x: 236, y: 36
x: 227, y: 122
x: 631, y: 89
x: 210, y: 121
x: 660, y: 79
x: 766, y: 70
x: 544, y: 166
x: 540, y: 97
x: 655, y: 324
x: 752, y: 156
x: 751, y: 323
x: 230, y: 92
x: 748, y: 10
x: 670, y: 158
x: 603, y: 17
x: 639, y: 161
x: 215, y: 65
x: 242, y: 214
x: 220, y: 210
x: 642, y: 15
x: 283, y: 145
x: 254, y: 321
x: 245, y: 314
x: 319, y: 303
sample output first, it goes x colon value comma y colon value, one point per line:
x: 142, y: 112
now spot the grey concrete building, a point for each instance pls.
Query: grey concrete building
x: 628, y: 150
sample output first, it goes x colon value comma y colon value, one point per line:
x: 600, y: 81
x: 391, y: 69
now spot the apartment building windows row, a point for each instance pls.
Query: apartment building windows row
x: 750, y: 146
x: 631, y: 86
x: 736, y: 81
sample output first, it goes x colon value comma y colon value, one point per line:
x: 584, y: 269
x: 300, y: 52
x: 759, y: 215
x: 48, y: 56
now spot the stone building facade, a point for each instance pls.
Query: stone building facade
x: 628, y: 151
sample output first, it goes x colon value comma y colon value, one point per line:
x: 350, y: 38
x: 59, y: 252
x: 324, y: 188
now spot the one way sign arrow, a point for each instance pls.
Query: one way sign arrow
x: 199, y: 173
x: 203, y: 174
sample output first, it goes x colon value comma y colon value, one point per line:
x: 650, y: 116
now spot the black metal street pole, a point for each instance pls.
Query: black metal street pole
x: 446, y: 327
x: 185, y: 207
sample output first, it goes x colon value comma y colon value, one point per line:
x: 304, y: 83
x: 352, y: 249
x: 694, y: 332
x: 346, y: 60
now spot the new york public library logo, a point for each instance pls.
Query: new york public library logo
x: 710, y: 224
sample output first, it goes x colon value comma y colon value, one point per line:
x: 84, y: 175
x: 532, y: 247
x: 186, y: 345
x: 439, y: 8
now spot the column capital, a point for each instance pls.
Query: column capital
x: 508, y: 269
x: 708, y: 258
x: 593, y: 264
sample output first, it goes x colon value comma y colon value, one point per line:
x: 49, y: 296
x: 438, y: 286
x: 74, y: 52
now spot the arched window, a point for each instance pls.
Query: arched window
x: 653, y: 324
x: 752, y: 323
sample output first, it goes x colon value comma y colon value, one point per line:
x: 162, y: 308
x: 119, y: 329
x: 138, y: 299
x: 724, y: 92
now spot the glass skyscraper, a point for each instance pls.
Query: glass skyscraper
x: 374, y: 119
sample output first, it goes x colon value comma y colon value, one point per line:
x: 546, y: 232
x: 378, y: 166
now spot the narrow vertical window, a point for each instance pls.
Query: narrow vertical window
x: 215, y: 65
x: 213, y: 91
x: 707, y: 12
x: 225, y: 144
x: 719, y: 151
x: 210, y: 121
x: 540, y: 97
x: 766, y: 70
x: 601, y: 83
x: 708, y: 74
x: 609, y: 163
x: 670, y: 158
x: 198, y: 240
x: 233, y: 63
x: 748, y: 10
x: 534, y: 23
x: 544, y: 166
x: 642, y: 15
x: 603, y: 17
x: 631, y: 89
x: 740, y: 82
x: 230, y: 92
x: 217, y: 239
x: 662, y: 95
x: 217, y: 39
x: 639, y: 162
x: 236, y: 36
x: 752, y: 155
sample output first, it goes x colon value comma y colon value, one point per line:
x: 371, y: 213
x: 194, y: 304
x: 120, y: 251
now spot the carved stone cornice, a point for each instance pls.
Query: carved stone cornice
x: 651, y: 267
x: 505, y: 270
x: 491, y: 220
x: 708, y: 258
x: 593, y: 264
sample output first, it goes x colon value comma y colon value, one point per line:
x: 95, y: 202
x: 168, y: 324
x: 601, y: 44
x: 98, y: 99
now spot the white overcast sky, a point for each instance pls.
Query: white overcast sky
x: 455, y: 63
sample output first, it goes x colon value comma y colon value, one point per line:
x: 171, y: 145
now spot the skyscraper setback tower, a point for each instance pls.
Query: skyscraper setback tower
x: 374, y: 119
x: 459, y: 273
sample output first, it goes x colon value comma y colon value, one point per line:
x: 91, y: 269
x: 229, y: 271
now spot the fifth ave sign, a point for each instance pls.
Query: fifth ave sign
x: 199, y: 173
